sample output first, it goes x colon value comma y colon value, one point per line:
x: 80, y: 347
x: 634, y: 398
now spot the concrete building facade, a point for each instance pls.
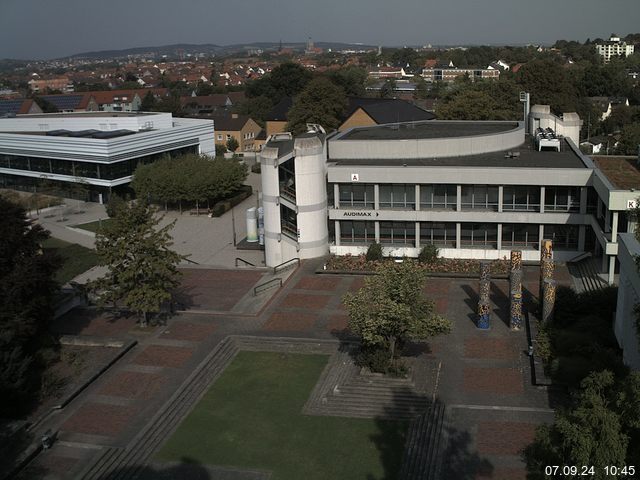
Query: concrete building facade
x: 98, y: 149
x: 473, y: 189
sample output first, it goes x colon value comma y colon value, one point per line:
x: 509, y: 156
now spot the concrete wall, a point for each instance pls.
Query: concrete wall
x: 84, y: 121
x: 628, y: 297
x: 428, y: 147
x: 568, y: 126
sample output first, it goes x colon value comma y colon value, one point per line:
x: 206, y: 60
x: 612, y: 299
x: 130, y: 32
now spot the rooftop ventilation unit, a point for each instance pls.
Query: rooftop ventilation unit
x: 547, y: 138
x: 280, y: 137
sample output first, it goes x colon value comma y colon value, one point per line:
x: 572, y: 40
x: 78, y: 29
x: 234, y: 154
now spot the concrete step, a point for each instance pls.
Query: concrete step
x: 425, y: 445
x: 126, y: 462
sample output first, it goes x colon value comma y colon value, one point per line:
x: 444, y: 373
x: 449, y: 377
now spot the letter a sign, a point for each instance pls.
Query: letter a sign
x: 355, y: 177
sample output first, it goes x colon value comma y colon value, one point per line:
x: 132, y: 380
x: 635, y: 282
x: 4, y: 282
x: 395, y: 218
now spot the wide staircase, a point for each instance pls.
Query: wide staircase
x: 426, y: 444
x: 586, y: 270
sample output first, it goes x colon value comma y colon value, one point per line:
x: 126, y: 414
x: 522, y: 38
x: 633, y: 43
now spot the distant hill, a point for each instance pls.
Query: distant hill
x: 209, y: 49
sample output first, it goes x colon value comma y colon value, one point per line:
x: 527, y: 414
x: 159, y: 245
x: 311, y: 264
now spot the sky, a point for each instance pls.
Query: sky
x: 44, y: 29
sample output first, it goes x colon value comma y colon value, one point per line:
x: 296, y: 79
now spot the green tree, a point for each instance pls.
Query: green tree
x: 472, y: 104
x: 114, y: 204
x: 220, y: 150
x: 390, y: 309
x: 285, y: 80
x: 232, y: 144
x: 591, y: 432
x: 351, y: 79
x: 27, y: 289
x: 141, y: 266
x: 149, y: 103
x: 320, y: 102
x: 388, y: 89
x: 630, y: 140
x: 549, y: 84
x: 257, y: 108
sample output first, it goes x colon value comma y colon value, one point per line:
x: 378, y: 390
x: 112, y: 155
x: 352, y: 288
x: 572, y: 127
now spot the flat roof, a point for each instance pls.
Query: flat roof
x: 85, y: 114
x: 428, y: 129
x: 622, y: 171
x: 528, y: 157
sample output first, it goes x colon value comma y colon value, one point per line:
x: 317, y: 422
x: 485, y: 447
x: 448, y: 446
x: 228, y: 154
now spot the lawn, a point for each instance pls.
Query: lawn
x: 251, y: 418
x: 76, y: 259
x: 93, y: 226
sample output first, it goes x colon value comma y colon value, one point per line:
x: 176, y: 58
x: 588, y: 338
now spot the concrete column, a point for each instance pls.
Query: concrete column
x: 458, y: 235
x: 614, y: 228
x: 417, y: 196
x: 583, y: 200
x: 541, y: 202
x: 376, y: 201
x: 458, y: 199
x: 582, y: 230
x: 612, y: 268
x: 500, y: 235
x: 417, y: 234
x: 540, y: 236
x: 377, y: 230
x: 336, y: 195
x: 337, y: 232
x: 500, y: 200
x: 599, y: 208
x: 607, y: 221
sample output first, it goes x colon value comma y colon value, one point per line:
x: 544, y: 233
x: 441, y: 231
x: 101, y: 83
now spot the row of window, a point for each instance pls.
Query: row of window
x: 484, y: 235
x: 75, y: 168
x: 473, y: 197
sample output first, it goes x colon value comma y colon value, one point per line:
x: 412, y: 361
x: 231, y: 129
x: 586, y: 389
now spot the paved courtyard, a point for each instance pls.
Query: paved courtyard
x: 483, y: 377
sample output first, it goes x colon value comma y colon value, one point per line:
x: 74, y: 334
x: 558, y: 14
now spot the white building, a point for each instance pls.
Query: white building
x: 98, y: 149
x: 473, y: 189
x: 614, y: 48
x: 625, y: 328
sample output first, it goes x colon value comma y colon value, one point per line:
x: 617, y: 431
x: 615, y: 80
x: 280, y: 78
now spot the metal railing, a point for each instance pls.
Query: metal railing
x: 286, y: 265
x: 274, y: 282
x: 238, y: 259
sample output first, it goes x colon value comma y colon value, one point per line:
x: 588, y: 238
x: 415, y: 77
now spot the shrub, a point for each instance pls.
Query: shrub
x: 374, y: 252
x: 255, y: 168
x: 376, y: 359
x: 114, y: 204
x: 428, y: 254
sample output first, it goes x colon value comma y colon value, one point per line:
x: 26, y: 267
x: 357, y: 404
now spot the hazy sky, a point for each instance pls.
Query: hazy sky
x: 54, y: 28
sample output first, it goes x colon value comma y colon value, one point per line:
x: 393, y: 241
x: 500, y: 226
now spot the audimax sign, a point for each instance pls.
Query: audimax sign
x: 360, y: 214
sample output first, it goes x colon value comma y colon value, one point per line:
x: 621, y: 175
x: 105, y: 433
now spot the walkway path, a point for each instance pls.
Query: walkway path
x: 482, y: 379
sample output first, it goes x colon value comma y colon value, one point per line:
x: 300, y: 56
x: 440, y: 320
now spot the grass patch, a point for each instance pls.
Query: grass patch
x: 251, y: 418
x: 93, y: 226
x: 76, y: 259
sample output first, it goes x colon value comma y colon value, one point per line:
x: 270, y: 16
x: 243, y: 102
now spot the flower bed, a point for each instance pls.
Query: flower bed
x: 359, y: 263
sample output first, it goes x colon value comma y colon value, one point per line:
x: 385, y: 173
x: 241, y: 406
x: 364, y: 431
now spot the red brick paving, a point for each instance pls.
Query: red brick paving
x: 290, y: 321
x: 498, y: 348
x: 100, y: 419
x: 437, y: 287
x: 193, y: 332
x: 503, y: 474
x: 493, y: 380
x: 356, y: 284
x: 442, y: 305
x: 133, y: 385
x: 504, y: 438
x: 318, y: 283
x: 310, y: 302
x: 53, y: 464
x: 91, y: 322
x: 164, y: 356
x: 215, y: 289
x: 337, y: 323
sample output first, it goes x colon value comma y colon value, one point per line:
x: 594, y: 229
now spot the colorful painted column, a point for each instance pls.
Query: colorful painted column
x: 516, y: 260
x: 549, y: 300
x: 515, y: 297
x: 484, y: 311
